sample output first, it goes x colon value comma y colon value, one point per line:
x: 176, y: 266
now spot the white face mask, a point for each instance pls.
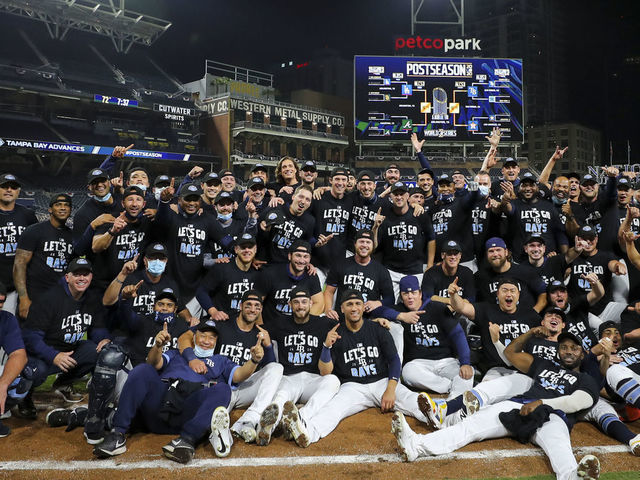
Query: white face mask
x: 157, y: 192
x: 201, y: 352
x: 483, y: 190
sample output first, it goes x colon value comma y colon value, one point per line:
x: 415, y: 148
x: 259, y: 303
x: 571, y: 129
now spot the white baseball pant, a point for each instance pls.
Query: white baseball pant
x: 256, y: 392
x: 441, y: 376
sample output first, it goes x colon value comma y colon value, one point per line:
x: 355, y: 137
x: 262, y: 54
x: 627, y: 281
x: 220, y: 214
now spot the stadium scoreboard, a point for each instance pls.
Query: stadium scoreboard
x: 122, y: 102
x: 448, y: 99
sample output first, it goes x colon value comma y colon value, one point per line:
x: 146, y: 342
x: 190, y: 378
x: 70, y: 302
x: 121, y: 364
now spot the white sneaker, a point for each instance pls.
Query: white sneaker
x: 471, y: 402
x: 589, y: 468
x: 295, y: 425
x: 434, y: 411
x: 267, y: 424
x: 245, y: 431
x: 403, y: 433
x: 634, y: 445
x: 220, y: 437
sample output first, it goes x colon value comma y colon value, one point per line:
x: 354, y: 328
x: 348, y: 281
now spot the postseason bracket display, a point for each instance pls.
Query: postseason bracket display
x: 456, y: 99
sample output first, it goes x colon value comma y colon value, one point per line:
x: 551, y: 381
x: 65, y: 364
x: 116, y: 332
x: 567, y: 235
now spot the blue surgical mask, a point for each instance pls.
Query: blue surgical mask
x: 225, y: 218
x: 106, y: 198
x: 558, y: 201
x: 483, y: 190
x: 445, y: 197
x: 140, y: 186
x: 134, y: 218
x: 157, y: 192
x: 156, y: 267
x: 163, y: 317
x: 201, y: 352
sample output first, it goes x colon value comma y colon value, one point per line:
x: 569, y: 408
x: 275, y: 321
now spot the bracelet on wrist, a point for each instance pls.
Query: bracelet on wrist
x: 253, y: 361
x: 111, y: 233
x: 119, y: 281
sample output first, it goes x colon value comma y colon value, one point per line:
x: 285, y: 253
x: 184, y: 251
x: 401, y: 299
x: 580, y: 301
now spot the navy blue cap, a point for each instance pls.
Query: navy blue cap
x: 224, y: 196
x: 162, y: 180
x: 95, y: 174
x: 528, y: 177
x: 309, y: 165
x: 256, y: 182
x: 495, y: 242
x: 509, y: 160
x: 588, y: 179
x: 190, y: 190
x: 409, y: 283
x: 78, y: 264
x: 556, y: 285
x: 587, y: 232
x: 444, y: 178
x: 452, y: 245
x: 351, y: 294
x: 399, y: 186
x: 211, y: 177
x: 167, y: 293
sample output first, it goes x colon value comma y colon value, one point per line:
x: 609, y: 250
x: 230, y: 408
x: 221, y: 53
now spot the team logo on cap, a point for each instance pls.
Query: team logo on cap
x: 96, y: 172
x: 9, y: 177
x: 192, y: 188
x: 82, y: 261
x: 246, y: 236
x: 272, y: 216
x: 157, y: 246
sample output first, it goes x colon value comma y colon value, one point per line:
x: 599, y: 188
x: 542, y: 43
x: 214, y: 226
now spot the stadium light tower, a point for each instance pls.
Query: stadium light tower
x: 112, y: 19
x: 455, y: 6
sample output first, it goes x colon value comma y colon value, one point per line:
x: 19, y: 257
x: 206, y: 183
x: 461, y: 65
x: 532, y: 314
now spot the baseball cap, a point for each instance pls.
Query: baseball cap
x: 624, y: 183
x: 252, y: 295
x: 452, y: 245
x: 509, y: 280
x: 428, y: 171
x: 457, y: 172
x: 495, y: 242
x: 226, y: 173
x: 59, y: 198
x: 155, y: 249
x: 416, y: 190
x: 573, y: 175
x: 224, y: 197
x: 258, y: 166
x: 166, y: 293
x: 528, y: 177
x: 391, y: 165
x: 309, y: 165
x: 588, y: 179
x: 534, y: 238
x: 300, y: 246
x: 78, y: 264
x: 9, y: 178
x: 444, y: 178
x: 190, y: 190
x: 246, y: 239
x: 95, y: 174
x: 399, y: 186
x: 366, y: 175
x: 339, y: 171
x: 569, y: 336
x: 211, y: 177
x: 274, y: 217
x: 208, y: 326
x: 136, y: 169
x: 409, y: 283
x: 509, y: 160
x: 555, y: 310
x: 556, y: 285
x: 162, y: 180
x: 364, y: 233
x: 299, y: 291
x: 133, y: 190
x: 587, y: 232
x: 256, y: 183
x: 608, y: 324
x: 351, y: 294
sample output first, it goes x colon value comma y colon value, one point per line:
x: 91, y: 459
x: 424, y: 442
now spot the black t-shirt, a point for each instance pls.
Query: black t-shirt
x: 225, y: 283
x: 276, y: 186
x: 591, y: 213
x: 332, y: 217
x: 280, y: 237
x: 538, y: 218
x: 233, y: 343
x: 610, y: 222
x: 52, y: 249
x: 125, y: 245
x: 483, y: 225
x: 276, y: 283
x: 403, y: 241
x: 372, y: 280
x: 91, y: 210
x: 553, y: 268
x: 63, y: 319
x: 551, y: 380
x: 512, y: 325
x: 452, y: 221
x: 12, y: 224
x: 363, y: 356
x: 436, y: 282
x: 542, y: 348
x: 234, y: 230
x: 300, y: 345
x: 143, y: 302
x: 428, y: 338
x: 363, y: 213
x: 188, y: 240
x: 529, y: 283
x: 577, y: 322
x: 598, y: 264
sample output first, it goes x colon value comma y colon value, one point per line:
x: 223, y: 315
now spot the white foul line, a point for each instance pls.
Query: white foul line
x: 118, y: 464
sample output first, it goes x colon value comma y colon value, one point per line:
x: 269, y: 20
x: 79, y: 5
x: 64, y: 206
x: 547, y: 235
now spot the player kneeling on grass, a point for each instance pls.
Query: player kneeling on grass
x: 362, y: 355
x: 179, y: 400
x: 543, y: 415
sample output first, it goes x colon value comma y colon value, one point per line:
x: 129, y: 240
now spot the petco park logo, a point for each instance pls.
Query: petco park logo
x: 447, y: 44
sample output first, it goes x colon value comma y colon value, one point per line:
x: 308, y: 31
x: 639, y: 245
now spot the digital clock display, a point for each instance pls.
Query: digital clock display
x: 122, y: 102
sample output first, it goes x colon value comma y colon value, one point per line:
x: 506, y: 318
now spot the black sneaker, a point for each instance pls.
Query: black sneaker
x: 77, y: 418
x: 68, y: 393
x: 26, y: 408
x: 58, y: 417
x: 4, y: 430
x: 179, y: 450
x: 113, y: 444
x: 94, y: 438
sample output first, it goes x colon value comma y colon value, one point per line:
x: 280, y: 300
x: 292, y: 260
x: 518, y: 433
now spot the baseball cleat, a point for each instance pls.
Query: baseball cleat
x: 471, y: 402
x: 267, y: 424
x: 295, y: 425
x: 589, y: 468
x: 58, y: 417
x: 403, y: 433
x: 634, y: 445
x: 220, y: 437
x: 68, y: 393
x: 434, y: 411
x: 6, y: 414
x: 4, y: 430
x: 77, y: 418
x: 26, y: 408
x: 244, y: 430
x: 113, y: 444
x: 179, y: 450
